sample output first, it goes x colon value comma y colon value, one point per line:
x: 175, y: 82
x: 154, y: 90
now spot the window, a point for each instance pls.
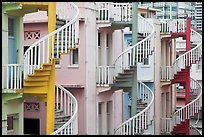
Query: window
x: 199, y: 65
x: 35, y: 34
x: 11, y: 27
x: 57, y: 62
x: 30, y: 106
x: 107, y: 44
x: 145, y: 61
x: 129, y: 41
x: 74, y: 57
x: 10, y: 122
x: 99, y: 39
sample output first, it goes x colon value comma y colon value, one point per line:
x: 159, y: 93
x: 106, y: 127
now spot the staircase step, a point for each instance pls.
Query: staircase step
x: 34, y: 83
x: 126, y: 73
x: 124, y: 77
x: 122, y: 80
x: 59, y: 123
x: 34, y: 77
x: 41, y: 71
x: 62, y: 116
x: 37, y: 75
x: 47, y: 66
x: 37, y: 79
x: 128, y: 70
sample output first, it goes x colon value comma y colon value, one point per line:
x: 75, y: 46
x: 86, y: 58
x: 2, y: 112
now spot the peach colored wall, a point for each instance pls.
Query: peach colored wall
x: 39, y: 115
x: 79, y: 95
x: 117, y: 99
x: 36, y: 17
x: 65, y: 75
x: 32, y: 27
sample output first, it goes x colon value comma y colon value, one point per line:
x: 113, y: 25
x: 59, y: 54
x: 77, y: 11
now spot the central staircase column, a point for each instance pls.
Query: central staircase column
x: 187, y: 86
x: 134, y: 41
x: 51, y: 87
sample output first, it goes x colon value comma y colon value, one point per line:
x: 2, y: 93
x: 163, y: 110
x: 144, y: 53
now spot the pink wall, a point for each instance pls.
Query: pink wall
x: 34, y: 27
x: 79, y: 95
x: 41, y: 114
x: 117, y: 99
x: 65, y: 75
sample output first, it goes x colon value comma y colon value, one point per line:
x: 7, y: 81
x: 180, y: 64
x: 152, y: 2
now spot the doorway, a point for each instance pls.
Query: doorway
x: 31, y: 126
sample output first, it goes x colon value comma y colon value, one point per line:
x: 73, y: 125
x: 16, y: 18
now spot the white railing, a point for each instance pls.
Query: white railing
x: 38, y: 53
x: 12, y: 76
x: 186, y: 111
x: 138, y: 123
x: 114, y: 11
x: 172, y: 25
x: 105, y: 75
x: 166, y: 125
x: 195, y: 129
x: 64, y: 11
x: 67, y: 102
x: 191, y: 56
x: 166, y: 73
x: 140, y: 50
x: 180, y: 45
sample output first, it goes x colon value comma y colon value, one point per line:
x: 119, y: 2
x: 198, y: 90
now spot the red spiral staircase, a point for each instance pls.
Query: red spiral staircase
x: 181, y: 75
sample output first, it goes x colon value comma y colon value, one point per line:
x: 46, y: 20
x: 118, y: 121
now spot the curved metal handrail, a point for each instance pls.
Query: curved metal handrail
x: 71, y: 124
x: 31, y: 61
x: 175, y: 64
x: 128, y: 49
x: 139, y: 51
x: 142, y: 113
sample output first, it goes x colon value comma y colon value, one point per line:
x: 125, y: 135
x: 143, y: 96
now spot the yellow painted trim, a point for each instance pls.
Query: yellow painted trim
x: 19, y: 90
x: 51, y: 101
x: 35, y: 90
x: 51, y: 22
x: 33, y: 3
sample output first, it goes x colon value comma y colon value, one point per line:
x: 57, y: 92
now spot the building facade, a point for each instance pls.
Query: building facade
x: 198, y: 15
x: 82, y: 70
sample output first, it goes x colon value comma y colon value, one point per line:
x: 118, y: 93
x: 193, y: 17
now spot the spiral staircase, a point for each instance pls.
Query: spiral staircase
x: 125, y: 65
x: 39, y: 67
x: 177, y: 123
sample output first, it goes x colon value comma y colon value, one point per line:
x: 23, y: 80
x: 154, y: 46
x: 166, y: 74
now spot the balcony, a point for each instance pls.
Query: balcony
x: 166, y: 73
x: 12, y: 78
x: 172, y: 25
x: 117, y: 14
x: 105, y: 76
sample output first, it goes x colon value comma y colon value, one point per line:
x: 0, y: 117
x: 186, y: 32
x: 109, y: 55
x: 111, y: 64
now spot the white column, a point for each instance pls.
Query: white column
x: 157, y: 76
x: 90, y: 68
x: 104, y: 50
x: 163, y: 10
x: 170, y: 11
x: 165, y: 103
x: 104, y: 118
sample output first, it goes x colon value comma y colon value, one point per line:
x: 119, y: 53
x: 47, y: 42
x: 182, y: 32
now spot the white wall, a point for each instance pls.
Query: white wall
x: 90, y: 89
x: 146, y: 72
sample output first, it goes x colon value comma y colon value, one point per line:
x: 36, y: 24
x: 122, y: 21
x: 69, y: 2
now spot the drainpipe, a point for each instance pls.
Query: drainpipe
x: 134, y: 41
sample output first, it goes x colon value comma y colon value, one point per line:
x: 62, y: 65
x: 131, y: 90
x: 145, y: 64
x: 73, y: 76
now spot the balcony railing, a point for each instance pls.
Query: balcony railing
x: 172, y: 25
x: 12, y: 76
x: 166, y: 73
x: 105, y: 75
x: 114, y: 11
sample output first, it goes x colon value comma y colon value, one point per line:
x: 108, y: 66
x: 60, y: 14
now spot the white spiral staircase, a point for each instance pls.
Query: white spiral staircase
x: 127, y: 60
x: 125, y: 64
x: 37, y: 59
x: 184, y: 61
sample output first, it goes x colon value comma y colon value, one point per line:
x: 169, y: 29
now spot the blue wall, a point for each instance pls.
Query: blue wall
x: 12, y: 55
x: 127, y: 100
